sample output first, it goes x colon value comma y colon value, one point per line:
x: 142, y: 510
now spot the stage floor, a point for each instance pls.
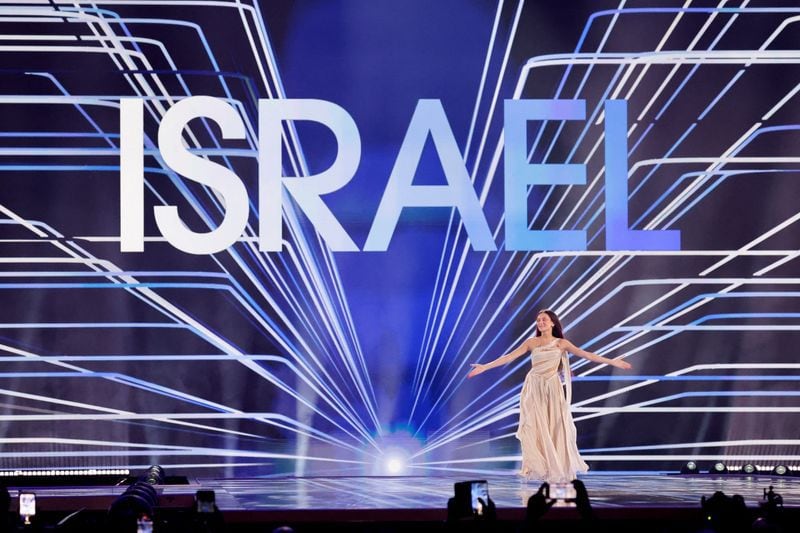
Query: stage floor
x: 506, y: 491
x: 385, y: 493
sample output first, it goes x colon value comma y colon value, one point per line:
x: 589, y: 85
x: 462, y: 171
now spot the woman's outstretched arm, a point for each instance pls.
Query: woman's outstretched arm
x: 564, y: 344
x: 478, y: 368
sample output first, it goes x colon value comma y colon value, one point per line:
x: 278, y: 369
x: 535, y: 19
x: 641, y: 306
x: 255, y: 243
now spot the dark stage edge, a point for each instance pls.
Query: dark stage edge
x: 408, y: 503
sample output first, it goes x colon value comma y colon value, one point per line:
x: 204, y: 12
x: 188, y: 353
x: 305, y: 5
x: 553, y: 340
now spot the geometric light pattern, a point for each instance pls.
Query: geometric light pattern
x: 308, y: 361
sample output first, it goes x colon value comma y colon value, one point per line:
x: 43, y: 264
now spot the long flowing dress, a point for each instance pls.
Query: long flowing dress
x: 546, y: 430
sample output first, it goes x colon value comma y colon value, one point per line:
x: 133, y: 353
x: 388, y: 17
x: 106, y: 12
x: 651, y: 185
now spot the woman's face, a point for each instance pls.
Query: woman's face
x: 543, y: 323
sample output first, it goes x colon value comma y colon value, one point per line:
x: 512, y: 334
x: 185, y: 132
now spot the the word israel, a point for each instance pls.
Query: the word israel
x: 429, y: 119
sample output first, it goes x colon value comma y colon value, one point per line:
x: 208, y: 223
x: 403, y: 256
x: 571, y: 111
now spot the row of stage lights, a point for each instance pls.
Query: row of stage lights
x: 750, y: 469
x: 71, y: 472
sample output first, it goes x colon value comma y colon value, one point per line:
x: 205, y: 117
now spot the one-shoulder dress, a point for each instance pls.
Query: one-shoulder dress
x: 546, y: 430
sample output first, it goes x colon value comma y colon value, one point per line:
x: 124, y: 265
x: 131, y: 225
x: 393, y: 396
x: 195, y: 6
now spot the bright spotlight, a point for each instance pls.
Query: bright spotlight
x: 399, y: 451
x: 718, y: 468
x: 395, y: 465
x: 780, y: 470
x: 689, y: 468
x: 749, y: 468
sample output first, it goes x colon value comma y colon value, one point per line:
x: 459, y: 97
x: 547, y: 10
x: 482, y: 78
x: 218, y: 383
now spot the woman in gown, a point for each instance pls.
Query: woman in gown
x: 546, y: 430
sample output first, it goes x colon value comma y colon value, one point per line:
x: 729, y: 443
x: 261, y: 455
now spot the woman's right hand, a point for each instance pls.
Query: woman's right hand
x: 477, y: 368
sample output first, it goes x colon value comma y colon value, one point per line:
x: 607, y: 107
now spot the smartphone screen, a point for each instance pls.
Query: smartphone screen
x: 205, y: 501
x: 27, y: 506
x: 144, y: 525
x: 563, y: 493
x: 479, y: 489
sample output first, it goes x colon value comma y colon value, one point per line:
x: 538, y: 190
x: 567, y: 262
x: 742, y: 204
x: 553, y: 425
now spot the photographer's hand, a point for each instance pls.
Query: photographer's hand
x: 538, y: 504
x: 489, y: 510
x: 582, y: 499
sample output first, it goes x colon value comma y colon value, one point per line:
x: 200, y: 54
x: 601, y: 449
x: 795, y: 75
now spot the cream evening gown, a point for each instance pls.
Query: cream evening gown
x: 546, y: 430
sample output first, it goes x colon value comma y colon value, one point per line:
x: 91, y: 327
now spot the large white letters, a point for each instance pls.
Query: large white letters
x: 429, y: 119
x: 399, y: 193
x: 170, y: 143
x: 305, y: 190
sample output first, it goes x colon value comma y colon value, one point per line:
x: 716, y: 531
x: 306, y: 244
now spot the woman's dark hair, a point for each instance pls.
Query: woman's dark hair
x: 558, y: 331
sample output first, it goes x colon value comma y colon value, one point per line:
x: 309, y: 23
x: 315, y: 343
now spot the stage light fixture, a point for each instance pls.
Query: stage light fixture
x: 749, y: 469
x: 689, y: 468
x: 155, y: 475
x: 395, y: 461
x: 67, y: 472
x: 396, y: 465
x: 718, y: 468
x: 780, y: 470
